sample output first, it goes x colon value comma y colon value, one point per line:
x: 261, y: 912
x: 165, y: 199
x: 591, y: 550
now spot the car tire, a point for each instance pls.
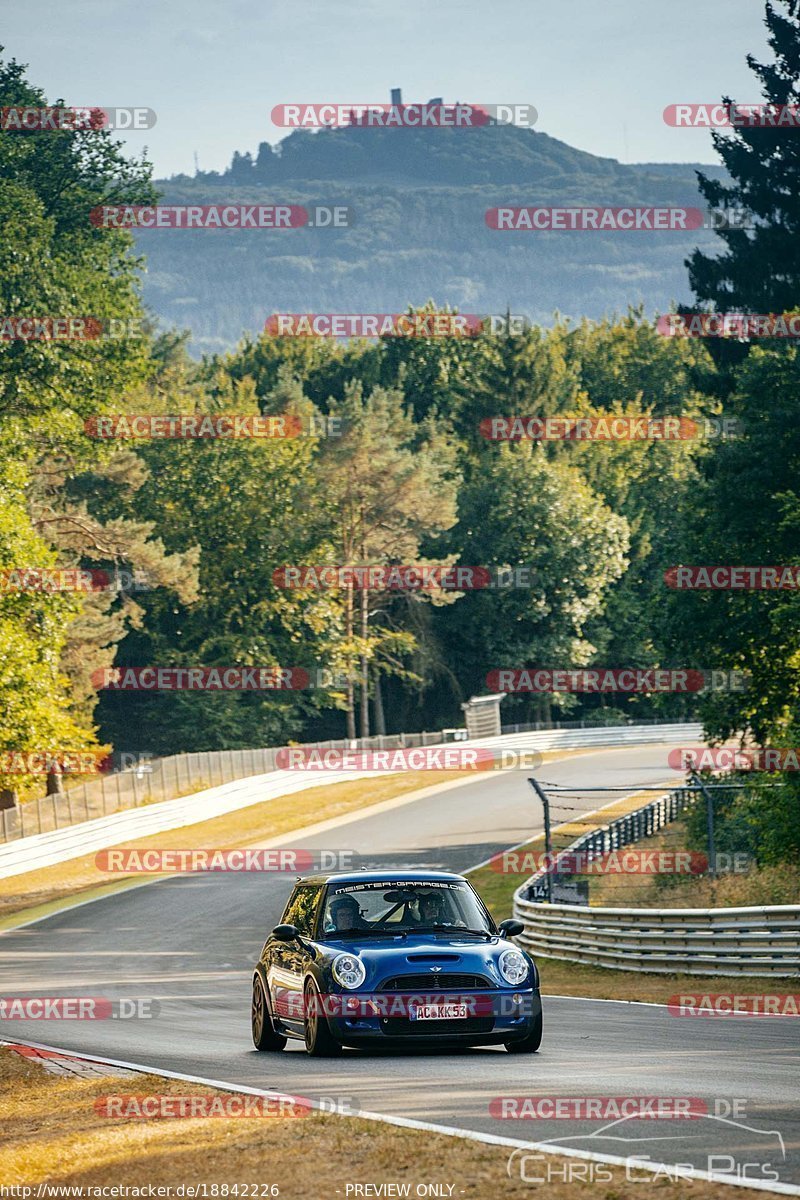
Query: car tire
x: 264, y: 1035
x: 530, y: 1043
x: 320, y: 1042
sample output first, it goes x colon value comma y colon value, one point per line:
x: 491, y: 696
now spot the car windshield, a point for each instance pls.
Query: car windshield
x: 403, y: 906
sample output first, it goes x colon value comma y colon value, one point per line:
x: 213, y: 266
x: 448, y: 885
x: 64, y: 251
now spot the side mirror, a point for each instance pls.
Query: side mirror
x: 286, y: 933
x: 511, y: 927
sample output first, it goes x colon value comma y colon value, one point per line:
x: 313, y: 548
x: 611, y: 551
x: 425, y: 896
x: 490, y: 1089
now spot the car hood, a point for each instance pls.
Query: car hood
x: 417, y: 954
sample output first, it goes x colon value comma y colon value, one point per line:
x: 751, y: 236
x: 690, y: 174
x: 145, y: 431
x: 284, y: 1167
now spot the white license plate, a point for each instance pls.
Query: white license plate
x: 438, y: 1012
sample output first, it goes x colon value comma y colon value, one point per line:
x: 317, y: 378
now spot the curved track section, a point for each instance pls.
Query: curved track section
x: 189, y: 943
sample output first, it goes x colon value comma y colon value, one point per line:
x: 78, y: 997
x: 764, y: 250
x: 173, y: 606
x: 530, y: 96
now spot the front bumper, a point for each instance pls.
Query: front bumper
x: 497, y: 1016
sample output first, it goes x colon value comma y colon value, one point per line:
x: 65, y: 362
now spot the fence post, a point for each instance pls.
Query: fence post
x: 548, y: 845
x: 712, y: 854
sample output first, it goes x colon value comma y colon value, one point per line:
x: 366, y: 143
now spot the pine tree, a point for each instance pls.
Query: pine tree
x: 760, y: 272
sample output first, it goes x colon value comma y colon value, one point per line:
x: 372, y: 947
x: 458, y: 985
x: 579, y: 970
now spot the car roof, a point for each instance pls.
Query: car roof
x: 414, y: 876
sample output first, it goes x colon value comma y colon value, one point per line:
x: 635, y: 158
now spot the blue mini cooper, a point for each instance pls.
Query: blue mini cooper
x: 403, y: 957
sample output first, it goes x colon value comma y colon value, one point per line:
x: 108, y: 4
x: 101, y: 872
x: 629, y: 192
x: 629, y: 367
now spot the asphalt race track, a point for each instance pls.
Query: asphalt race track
x: 190, y: 943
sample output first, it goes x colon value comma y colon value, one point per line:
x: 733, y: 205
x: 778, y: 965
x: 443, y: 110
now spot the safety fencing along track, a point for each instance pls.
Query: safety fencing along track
x: 693, y: 941
x: 59, y: 845
x: 162, y: 779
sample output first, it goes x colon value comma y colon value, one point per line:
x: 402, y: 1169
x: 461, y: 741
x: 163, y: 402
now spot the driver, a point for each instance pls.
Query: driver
x: 345, y: 914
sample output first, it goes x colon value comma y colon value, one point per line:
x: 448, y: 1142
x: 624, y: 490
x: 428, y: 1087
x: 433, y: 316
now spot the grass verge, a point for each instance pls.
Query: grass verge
x: 51, y: 1132
x: 758, y: 885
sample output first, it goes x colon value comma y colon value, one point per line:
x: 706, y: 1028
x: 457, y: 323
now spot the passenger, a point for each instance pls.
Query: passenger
x: 431, y: 909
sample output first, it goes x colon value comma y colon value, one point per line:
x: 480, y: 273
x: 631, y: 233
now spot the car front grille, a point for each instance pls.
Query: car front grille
x: 436, y: 981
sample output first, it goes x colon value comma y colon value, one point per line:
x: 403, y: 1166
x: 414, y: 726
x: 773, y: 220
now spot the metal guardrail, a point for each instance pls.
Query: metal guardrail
x: 764, y: 940
x: 607, y: 723
x: 601, y: 735
x: 692, y: 941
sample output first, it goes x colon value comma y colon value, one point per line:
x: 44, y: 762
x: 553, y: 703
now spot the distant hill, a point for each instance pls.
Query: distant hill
x: 419, y: 199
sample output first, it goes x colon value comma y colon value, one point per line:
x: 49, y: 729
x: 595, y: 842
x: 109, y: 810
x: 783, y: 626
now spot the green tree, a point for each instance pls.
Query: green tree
x: 523, y: 509
x: 54, y: 262
x: 34, y: 694
x: 760, y: 270
x: 236, y: 503
x: 393, y: 484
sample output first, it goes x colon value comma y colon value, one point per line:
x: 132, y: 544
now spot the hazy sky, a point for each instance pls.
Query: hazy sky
x: 600, y: 72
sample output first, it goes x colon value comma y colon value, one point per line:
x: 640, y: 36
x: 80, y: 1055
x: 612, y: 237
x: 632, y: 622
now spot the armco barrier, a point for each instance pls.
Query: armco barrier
x: 58, y: 845
x: 692, y: 941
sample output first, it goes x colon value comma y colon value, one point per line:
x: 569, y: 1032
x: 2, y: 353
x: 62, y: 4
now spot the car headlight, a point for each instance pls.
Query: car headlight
x: 348, y: 971
x: 513, y: 966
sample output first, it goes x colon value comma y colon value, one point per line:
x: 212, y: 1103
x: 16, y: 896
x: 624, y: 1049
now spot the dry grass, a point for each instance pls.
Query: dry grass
x: 49, y: 1131
x: 763, y: 885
